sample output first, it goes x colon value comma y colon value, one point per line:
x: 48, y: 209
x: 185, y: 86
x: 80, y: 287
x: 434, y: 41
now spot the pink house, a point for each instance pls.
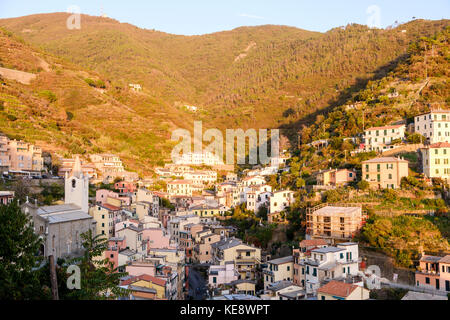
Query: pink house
x: 114, y: 246
x: 157, y: 238
x: 125, y: 187
x: 222, y: 274
x: 434, y: 273
x: 102, y: 195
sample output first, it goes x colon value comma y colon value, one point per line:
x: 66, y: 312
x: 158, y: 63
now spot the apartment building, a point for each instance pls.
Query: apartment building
x: 180, y: 188
x: 436, y: 160
x: 106, y: 216
x: 434, y: 126
x: 110, y: 166
x: 198, y: 159
x: 5, y: 163
x: 385, y: 172
x: 334, y: 222
x: 434, y: 273
x: 202, y: 247
x: 336, y: 177
x: 246, y: 258
x: 280, y: 200
x: 222, y: 274
x: 328, y: 263
x: 278, y: 270
x: 380, y: 138
x: 208, y: 210
x: 304, y: 251
x: 207, y: 177
x: 20, y: 156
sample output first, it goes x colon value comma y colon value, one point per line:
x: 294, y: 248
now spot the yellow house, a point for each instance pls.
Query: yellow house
x: 153, y: 283
x: 206, y: 211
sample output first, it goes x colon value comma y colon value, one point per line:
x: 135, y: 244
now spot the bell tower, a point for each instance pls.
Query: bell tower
x: 77, y: 187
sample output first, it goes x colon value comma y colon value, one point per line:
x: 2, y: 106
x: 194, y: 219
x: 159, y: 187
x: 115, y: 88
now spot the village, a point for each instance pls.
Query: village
x: 175, y: 243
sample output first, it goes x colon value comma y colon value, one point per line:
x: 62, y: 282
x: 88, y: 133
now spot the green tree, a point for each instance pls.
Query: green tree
x: 19, y: 246
x: 99, y: 279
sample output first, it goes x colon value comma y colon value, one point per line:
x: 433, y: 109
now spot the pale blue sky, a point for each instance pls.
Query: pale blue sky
x: 205, y: 16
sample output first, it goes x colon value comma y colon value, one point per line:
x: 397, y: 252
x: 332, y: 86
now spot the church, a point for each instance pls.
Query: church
x: 61, y: 226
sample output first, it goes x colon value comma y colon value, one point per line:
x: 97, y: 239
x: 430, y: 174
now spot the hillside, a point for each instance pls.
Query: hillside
x: 249, y: 77
x: 259, y: 77
x: 61, y: 112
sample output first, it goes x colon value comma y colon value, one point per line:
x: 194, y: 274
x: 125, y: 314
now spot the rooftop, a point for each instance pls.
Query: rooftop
x: 337, y: 288
x: 385, y: 160
x: 282, y: 260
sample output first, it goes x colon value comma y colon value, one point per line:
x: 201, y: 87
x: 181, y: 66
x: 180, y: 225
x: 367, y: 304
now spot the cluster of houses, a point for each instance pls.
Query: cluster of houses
x: 18, y: 157
x: 386, y: 172
x: 155, y: 236
x: 101, y: 168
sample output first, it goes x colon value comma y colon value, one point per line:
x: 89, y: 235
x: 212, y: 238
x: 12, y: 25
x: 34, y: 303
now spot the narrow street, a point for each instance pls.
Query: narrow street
x: 197, y: 284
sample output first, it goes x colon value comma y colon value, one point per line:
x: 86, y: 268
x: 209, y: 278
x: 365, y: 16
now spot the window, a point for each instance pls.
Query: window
x: 427, y: 280
x: 74, y: 183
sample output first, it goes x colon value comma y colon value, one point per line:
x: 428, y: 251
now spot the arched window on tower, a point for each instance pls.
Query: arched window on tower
x: 74, y: 183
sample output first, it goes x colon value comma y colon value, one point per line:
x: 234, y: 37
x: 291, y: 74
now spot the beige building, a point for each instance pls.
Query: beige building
x: 334, y: 222
x: 179, y: 188
x: 434, y: 126
x: 5, y: 163
x: 435, y: 161
x: 110, y: 166
x: 380, y: 138
x: 336, y: 177
x: 384, y: 173
x: 245, y: 257
x: 20, y: 156
x: 106, y: 216
x: 202, y: 248
x: 279, y: 270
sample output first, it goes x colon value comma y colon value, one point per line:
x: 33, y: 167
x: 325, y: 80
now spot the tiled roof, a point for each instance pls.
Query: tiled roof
x: 337, y: 288
x: 313, y: 243
x: 384, y: 159
x: 440, y: 145
x: 445, y: 259
x: 110, y: 207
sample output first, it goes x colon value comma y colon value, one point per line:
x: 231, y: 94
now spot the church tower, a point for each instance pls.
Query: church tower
x: 77, y: 187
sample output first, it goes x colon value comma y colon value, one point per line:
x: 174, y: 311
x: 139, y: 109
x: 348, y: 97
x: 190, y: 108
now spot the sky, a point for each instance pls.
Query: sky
x: 194, y: 17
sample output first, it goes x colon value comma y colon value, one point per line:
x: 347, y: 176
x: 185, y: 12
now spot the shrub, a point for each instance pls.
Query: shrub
x: 47, y: 94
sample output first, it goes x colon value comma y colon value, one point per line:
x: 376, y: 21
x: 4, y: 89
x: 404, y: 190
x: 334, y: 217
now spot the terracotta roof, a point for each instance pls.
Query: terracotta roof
x: 337, y: 288
x: 440, y: 145
x: 110, y: 207
x: 313, y: 243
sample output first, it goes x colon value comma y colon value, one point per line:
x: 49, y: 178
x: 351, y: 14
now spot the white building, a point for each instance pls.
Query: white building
x: 280, y: 200
x: 380, y: 138
x: 329, y: 263
x: 435, y: 126
x: 198, y: 159
x: 435, y: 160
